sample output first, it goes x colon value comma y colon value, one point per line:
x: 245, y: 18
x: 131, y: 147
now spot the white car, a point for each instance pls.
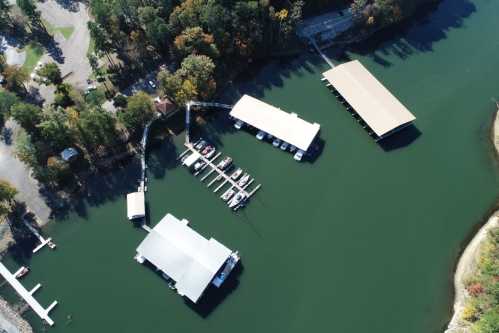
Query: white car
x: 260, y: 135
x: 152, y: 84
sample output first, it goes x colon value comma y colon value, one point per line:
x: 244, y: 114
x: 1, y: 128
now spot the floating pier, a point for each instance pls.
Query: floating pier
x: 42, y: 240
x: 221, y: 175
x: 28, y: 295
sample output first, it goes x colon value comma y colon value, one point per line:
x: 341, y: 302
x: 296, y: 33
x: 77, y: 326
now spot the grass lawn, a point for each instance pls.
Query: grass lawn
x: 65, y: 31
x: 33, y: 54
x: 91, y: 47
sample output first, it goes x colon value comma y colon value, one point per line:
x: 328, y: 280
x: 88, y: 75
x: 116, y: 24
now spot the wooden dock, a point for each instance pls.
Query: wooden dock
x: 28, y: 295
x: 221, y: 176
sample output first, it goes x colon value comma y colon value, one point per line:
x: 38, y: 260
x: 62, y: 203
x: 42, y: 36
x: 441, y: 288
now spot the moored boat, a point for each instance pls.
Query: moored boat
x: 229, y: 266
x: 238, y: 199
x: 276, y: 143
x: 236, y: 174
x: 22, y: 272
x: 228, y: 194
x: 244, y: 180
x: 226, y: 162
x: 284, y: 146
x: 260, y: 135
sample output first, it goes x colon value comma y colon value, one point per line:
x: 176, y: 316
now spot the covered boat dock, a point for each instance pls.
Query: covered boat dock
x: 380, y: 111
x: 282, y: 125
x: 136, y: 207
x: 184, y: 256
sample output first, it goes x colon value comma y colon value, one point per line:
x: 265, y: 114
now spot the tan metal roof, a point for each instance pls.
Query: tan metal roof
x: 285, y: 126
x: 382, y: 111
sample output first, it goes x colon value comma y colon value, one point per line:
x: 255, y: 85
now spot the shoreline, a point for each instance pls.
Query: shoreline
x: 467, y: 261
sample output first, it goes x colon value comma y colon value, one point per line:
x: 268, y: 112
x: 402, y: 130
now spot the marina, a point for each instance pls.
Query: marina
x: 356, y: 219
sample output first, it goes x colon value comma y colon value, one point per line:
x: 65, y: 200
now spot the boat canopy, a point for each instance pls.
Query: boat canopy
x: 191, y: 260
x: 285, y: 126
x: 135, y: 205
x: 382, y: 111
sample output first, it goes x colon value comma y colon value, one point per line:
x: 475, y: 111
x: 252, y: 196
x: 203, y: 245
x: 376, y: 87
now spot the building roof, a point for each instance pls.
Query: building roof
x: 68, y: 154
x: 164, y: 105
x: 135, y: 205
x: 282, y: 125
x: 382, y: 111
x: 191, y: 260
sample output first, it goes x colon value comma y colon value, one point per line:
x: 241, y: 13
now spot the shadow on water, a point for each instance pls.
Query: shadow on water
x: 400, y: 139
x: 433, y: 26
x: 214, y: 296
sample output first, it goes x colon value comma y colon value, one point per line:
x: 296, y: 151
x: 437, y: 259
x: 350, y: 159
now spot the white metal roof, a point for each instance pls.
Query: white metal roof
x: 184, y: 255
x: 135, y: 205
x: 191, y: 159
x: 282, y: 125
x: 382, y: 111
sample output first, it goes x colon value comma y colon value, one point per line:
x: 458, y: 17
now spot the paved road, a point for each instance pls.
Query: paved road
x: 18, y: 174
x: 74, y: 50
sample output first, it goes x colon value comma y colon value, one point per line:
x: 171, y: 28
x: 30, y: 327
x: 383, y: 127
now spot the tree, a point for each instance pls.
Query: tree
x: 194, y: 40
x: 7, y: 99
x: 7, y: 191
x: 50, y: 73
x: 15, y: 77
x: 120, y: 101
x: 7, y: 194
x: 193, y: 80
x: 25, y: 150
x: 138, y: 112
x: 96, y: 128
x: 54, y: 129
x: 27, y: 115
x: 28, y: 7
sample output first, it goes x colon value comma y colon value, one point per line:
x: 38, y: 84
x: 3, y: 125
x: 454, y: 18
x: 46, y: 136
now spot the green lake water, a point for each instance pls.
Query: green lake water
x: 364, y: 239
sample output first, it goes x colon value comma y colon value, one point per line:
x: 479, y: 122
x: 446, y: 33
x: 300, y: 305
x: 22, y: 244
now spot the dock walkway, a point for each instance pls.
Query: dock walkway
x: 220, y: 172
x: 28, y: 295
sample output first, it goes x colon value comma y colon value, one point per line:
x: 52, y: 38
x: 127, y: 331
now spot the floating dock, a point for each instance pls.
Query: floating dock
x: 28, y: 295
x: 221, y: 176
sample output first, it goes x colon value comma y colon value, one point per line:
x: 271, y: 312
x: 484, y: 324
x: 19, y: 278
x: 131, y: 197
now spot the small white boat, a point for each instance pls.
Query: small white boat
x: 239, y: 124
x: 299, y: 155
x: 52, y: 244
x: 260, y: 135
x: 237, y: 200
x: 211, y: 153
x: 199, y: 165
x: 244, y: 180
x: 276, y: 143
x: 229, y: 266
x: 228, y: 194
x: 140, y: 259
x: 200, y: 144
x: 284, y: 146
x: 23, y: 272
x: 292, y: 149
x: 236, y: 174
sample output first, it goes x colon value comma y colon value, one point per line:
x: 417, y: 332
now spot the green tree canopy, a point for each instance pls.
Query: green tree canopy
x: 51, y: 73
x: 138, y: 112
x: 27, y: 115
x: 7, y: 99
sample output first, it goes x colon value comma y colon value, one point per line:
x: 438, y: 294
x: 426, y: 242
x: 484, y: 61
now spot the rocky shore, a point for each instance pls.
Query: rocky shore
x: 467, y: 262
x: 11, y: 321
